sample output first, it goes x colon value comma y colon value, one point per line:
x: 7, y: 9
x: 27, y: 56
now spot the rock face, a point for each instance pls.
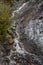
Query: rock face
x: 30, y: 26
x: 27, y: 48
x: 30, y: 22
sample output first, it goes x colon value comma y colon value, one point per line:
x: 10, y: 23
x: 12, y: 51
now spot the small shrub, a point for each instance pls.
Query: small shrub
x: 4, y: 19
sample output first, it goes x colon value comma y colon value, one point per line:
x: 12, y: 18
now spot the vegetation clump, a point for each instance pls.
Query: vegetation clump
x: 4, y: 19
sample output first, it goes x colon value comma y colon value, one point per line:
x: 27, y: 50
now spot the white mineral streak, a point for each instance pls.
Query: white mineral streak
x: 18, y: 48
x: 18, y: 10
